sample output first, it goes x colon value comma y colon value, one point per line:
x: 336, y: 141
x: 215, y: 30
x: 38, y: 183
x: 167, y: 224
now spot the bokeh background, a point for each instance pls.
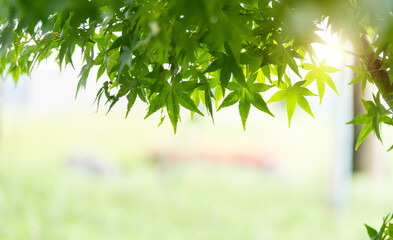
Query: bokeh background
x: 68, y: 171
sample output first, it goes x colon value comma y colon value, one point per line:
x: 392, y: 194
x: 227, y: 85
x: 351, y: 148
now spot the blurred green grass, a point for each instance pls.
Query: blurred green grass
x: 41, y: 198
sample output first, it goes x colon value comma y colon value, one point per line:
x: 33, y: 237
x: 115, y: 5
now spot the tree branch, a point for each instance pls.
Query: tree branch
x: 341, y: 49
x: 380, y: 76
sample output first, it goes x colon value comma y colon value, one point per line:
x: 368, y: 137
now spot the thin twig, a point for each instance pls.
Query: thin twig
x: 341, y: 49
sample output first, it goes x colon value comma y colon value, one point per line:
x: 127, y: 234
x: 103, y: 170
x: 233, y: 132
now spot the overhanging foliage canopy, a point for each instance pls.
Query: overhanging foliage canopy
x: 178, y: 53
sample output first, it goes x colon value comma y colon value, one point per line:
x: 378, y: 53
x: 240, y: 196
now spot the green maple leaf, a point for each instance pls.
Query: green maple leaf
x: 376, y: 114
x: 185, y: 99
x: 319, y: 74
x: 361, y: 76
x: 230, y: 99
x: 244, y: 108
x: 247, y: 93
x: 253, y: 91
x: 294, y: 95
x: 125, y: 58
x: 173, y: 109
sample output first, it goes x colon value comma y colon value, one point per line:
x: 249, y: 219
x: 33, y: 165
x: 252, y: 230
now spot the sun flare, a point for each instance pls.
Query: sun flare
x: 332, y: 52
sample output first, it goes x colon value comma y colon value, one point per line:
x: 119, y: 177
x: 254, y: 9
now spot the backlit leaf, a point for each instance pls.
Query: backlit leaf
x: 258, y: 102
x: 279, y: 96
x: 308, y: 66
x: 291, y: 63
x: 229, y: 100
x: 303, y: 103
x: 291, y: 106
x: 238, y: 74
x: 244, y: 108
x: 173, y: 110
x: 131, y: 97
x: 157, y: 103
x: 361, y: 119
x: 330, y: 69
x: 366, y: 130
x: 186, y: 101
